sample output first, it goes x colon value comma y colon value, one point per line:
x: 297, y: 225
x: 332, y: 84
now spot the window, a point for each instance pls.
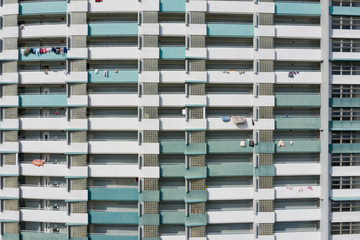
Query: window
x: 345, y: 182
x: 346, y: 137
x: 345, y: 159
x: 346, y: 45
x: 345, y: 22
x: 346, y: 91
x: 345, y: 114
x: 345, y: 228
x: 345, y: 206
x: 346, y: 3
x: 345, y: 68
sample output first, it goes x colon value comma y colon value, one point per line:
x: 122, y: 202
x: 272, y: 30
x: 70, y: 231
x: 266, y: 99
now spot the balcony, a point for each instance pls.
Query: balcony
x: 301, y: 235
x: 10, y: 193
x: 43, y: 100
x: 113, y: 194
x: 297, y: 8
x: 300, y: 169
x: 221, y: 217
x: 9, y: 216
x: 292, y: 31
x: 174, y: 53
x: 49, y: 56
x: 345, y: 148
x: 301, y: 123
x: 9, y: 170
x: 28, y: 235
x: 297, y: 100
x: 231, y: 7
x: 122, y: 76
x: 230, y: 193
x: 113, y: 147
x: 344, y: 102
x: 172, y: 217
x: 99, y: 236
x: 284, y: 192
x: 43, y: 8
x: 43, y: 215
x: 52, y: 30
x: 284, y: 215
x: 344, y: 125
x: 231, y: 77
x: 236, y: 100
x: 9, y: 147
x: 172, y: 194
x: 53, y: 170
x: 227, y: 147
x: 345, y: 171
x: 230, y: 169
x: 111, y: 6
x: 114, y: 53
x: 52, y: 147
x: 106, y: 217
x: 233, y: 53
x: 305, y: 146
x: 291, y: 54
x: 113, y: 100
x: 51, y: 77
x: 230, y: 30
x: 52, y: 123
x: 171, y: 6
x: 242, y: 236
x: 302, y: 77
x: 113, y: 29
x: 123, y: 171
x: 345, y: 194
x: 52, y: 192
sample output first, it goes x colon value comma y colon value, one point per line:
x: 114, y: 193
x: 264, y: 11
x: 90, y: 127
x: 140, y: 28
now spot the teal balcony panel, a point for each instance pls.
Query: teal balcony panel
x: 126, y: 76
x: 297, y: 123
x: 177, y: 170
x: 42, y: 8
x: 79, y: 238
x: 172, y: 194
x: 230, y: 169
x: 172, y: 217
x: 344, y: 125
x: 150, y: 220
x: 113, y: 218
x: 113, y: 29
x: 49, y: 56
x: 297, y: 8
x: 43, y: 236
x: 195, y: 148
x: 172, y: 5
x: 230, y: 30
x: 10, y: 236
x: 310, y: 146
x: 111, y: 237
x: 196, y: 220
x: 172, y: 147
x: 113, y: 194
x: 149, y: 196
x: 196, y: 196
x: 227, y: 147
x: 265, y: 147
x: 172, y: 53
x: 298, y: 100
x: 344, y: 102
x: 195, y: 172
x: 344, y: 11
x: 42, y: 100
x: 345, y: 148
x: 265, y: 171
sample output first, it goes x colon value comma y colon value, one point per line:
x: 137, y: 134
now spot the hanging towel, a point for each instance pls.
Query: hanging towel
x: 291, y: 74
x: 65, y: 50
x: 57, y: 51
x: 300, y: 189
x: 242, y: 144
x: 310, y: 188
x: 291, y: 142
x: 238, y: 119
x: 281, y: 143
x: 106, y: 73
x: 96, y: 71
x: 225, y: 118
x: 38, y: 162
x: 251, y: 143
x: 116, y: 71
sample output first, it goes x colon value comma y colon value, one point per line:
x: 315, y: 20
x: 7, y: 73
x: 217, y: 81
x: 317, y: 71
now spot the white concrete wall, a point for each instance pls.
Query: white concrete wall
x: 113, y: 147
x: 298, y: 236
x: 284, y: 192
x: 298, y: 215
x: 230, y: 193
x: 345, y: 171
x: 221, y: 217
x: 113, y: 100
x: 301, y: 169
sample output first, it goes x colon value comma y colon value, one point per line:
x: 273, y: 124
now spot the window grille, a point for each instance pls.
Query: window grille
x: 345, y: 159
x: 345, y: 114
x: 345, y: 182
x: 197, y: 184
x: 345, y: 206
x: 151, y: 207
x: 346, y: 137
x: 151, y: 184
x: 346, y: 91
x: 345, y: 228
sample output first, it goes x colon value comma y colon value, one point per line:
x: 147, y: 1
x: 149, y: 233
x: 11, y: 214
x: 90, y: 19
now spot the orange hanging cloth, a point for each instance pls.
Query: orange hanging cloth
x: 38, y: 162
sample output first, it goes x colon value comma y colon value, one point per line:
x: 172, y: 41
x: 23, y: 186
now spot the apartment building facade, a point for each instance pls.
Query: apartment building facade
x: 179, y: 119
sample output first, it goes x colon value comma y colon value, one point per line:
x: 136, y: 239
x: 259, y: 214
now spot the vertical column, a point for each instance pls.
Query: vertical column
x: 149, y: 196
x: 325, y: 89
